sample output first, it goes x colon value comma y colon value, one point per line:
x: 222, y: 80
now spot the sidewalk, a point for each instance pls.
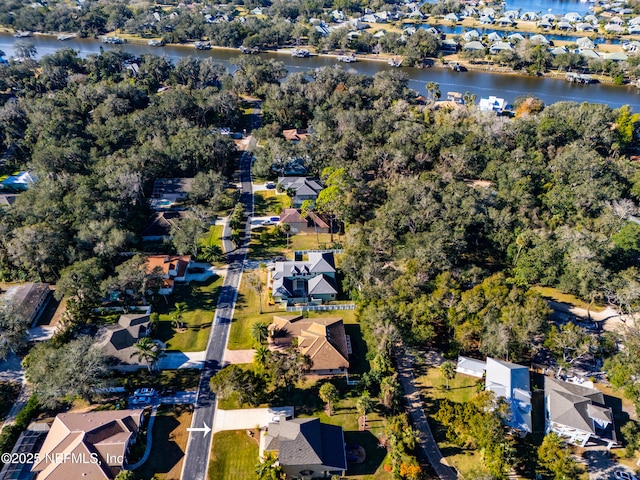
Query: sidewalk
x: 428, y: 445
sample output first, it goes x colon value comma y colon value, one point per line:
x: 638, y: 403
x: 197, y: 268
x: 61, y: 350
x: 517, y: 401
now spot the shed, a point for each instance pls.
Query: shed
x: 471, y: 366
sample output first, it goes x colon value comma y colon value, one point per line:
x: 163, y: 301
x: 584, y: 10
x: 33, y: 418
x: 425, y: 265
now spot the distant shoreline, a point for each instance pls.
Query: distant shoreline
x: 361, y: 57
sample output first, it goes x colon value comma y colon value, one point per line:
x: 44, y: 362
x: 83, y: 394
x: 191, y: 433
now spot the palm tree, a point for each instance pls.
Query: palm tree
x: 448, y: 370
x: 179, y: 309
x: 211, y: 253
x: 260, y: 332
x: 147, y: 351
x: 261, y: 356
x: 268, y: 468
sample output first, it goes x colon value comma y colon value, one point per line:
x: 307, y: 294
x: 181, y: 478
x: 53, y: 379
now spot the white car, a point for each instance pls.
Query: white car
x: 266, y: 222
x: 625, y: 476
x: 144, y: 392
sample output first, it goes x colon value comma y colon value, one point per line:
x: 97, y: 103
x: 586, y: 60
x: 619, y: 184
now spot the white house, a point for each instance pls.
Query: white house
x: 492, y: 104
x: 471, y: 366
x: 511, y: 381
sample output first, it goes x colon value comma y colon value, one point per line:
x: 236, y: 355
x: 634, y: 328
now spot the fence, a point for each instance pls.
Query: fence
x: 306, y: 252
x: 316, y: 308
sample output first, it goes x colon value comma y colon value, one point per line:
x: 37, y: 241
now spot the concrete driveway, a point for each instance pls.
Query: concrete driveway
x: 248, y: 418
x: 601, y: 465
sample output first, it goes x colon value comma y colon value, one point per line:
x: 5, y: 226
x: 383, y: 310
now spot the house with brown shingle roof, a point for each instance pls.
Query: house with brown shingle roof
x: 323, y: 339
x: 295, y: 134
x: 310, y: 224
x: 88, y: 446
x: 173, y: 268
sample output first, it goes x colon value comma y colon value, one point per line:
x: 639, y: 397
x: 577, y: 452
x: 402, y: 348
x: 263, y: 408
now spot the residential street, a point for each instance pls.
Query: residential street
x: 196, y: 460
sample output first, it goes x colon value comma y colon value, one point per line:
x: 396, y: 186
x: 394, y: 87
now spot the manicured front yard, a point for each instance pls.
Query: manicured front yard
x: 234, y: 456
x: 169, y: 444
x: 269, y: 202
x: 213, y: 236
x: 247, y: 312
x: 180, y: 380
x: 201, y: 300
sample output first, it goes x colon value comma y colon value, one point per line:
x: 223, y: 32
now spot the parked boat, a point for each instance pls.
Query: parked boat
x: 347, y: 58
x: 112, y: 40
x: 579, y: 78
x: 66, y: 36
x: 300, y: 53
x: 155, y: 43
x: 202, y: 45
x: 456, y: 67
x: 395, y: 62
x: 249, y: 51
x: 22, y: 34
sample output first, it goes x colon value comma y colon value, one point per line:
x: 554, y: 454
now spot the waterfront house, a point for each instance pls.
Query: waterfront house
x: 572, y: 17
x: 323, y: 340
x: 451, y: 17
x: 545, y: 24
x: 515, y: 38
x: 578, y: 413
x: 614, y: 28
x: 470, y: 35
x: 564, y: 26
x: 585, y: 42
x: 306, y: 448
x: 475, y: 46
x: 511, y: 382
x: 492, y: 104
x: 494, y: 37
x: 539, y: 39
x: 505, y: 22
x: 529, y: 16
x: 584, y: 27
x: 499, y: 47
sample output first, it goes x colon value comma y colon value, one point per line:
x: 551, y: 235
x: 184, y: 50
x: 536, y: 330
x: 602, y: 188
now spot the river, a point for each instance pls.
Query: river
x: 482, y: 84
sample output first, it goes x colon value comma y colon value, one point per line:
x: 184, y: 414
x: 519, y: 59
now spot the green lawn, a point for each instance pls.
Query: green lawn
x: 269, y: 202
x: 234, y: 456
x: 309, y: 241
x: 247, y: 312
x: 201, y: 299
x: 213, y: 236
x: 555, y: 294
x: 169, y: 444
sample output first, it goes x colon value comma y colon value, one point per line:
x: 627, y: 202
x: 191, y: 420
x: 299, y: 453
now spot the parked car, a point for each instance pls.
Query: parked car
x: 274, y: 219
x: 195, y: 270
x: 266, y: 222
x: 144, y: 392
x: 141, y: 401
x: 270, y: 185
x: 624, y: 476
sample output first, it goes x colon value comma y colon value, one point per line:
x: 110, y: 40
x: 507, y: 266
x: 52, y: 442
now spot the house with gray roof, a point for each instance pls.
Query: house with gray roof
x: 27, y: 301
x: 511, y: 381
x: 474, y: 45
x: 585, y: 42
x: 118, y: 340
x: 306, y: 448
x: 305, y: 188
x: 499, y: 47
x: 310, y: 281
x: 578, y: 413
x: 471, y: 366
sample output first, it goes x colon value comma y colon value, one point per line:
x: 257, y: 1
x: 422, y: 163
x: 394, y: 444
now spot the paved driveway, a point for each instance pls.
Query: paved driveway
x: 600, y: 465
x: 247, y: 418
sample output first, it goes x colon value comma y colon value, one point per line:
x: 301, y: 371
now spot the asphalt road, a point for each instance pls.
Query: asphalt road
x: 196, y: 460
